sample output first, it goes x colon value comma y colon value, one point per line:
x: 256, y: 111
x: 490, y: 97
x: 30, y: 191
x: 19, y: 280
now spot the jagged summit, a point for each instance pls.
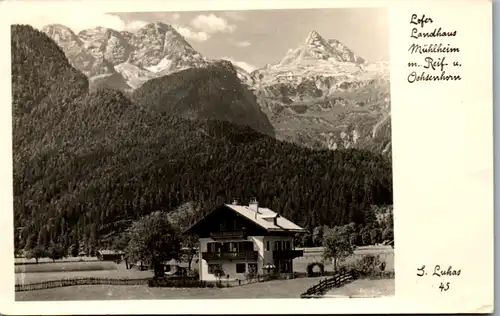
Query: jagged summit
x: 316, y: 47
x: 155, y: 49
x: 315, y: 94
x: 312, y: 37
x: 59, y: 32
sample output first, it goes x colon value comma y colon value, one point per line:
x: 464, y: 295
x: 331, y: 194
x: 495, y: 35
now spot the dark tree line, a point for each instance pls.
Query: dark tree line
x: 87, y: 165
x: 377, y: 227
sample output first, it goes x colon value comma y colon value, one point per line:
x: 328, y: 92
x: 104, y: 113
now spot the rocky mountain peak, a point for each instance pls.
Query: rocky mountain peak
x: 317, y: 47
x: 59, y: 32
x: 315, y: 39
x: 344, y: 53
x: 105, y: 43
x: 160, y: 46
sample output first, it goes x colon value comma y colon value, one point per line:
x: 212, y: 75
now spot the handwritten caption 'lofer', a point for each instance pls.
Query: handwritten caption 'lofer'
x: 439, y: 272
x: 435, y: 59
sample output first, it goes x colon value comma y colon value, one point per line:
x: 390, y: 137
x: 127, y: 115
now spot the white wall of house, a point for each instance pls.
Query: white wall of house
x: 268, y: 252
x: 229, y: 267
x: 258, y: 245
x: 265, y: 256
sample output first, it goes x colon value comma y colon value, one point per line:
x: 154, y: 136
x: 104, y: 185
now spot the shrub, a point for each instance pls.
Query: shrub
x: 219, y: 273
x: 310, y: 269
x: 194, y: 273
x: 369, y: 266
x: 251, y: 275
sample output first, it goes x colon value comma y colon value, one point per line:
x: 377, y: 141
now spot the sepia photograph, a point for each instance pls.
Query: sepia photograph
x: 202, y: 155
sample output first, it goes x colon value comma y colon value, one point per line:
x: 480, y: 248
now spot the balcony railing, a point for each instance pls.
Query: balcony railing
x: 241, y: 255
x: 228, y: 234
x: 287, y: 254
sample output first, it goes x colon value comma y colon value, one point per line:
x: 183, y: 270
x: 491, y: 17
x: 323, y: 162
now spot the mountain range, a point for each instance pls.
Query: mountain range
x: 319, y: 95
x: 89, y: 162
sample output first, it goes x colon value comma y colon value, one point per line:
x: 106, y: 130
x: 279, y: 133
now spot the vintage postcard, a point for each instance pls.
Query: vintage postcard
x: 232, y: 157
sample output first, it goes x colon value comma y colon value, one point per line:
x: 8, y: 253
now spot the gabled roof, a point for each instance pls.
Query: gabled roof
x: 265, y: 218
x: 260, y: 218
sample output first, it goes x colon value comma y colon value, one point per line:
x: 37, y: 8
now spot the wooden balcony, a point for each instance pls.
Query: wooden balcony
x: 229, y: 234
x: 241, y: 255
x: 287, y: 254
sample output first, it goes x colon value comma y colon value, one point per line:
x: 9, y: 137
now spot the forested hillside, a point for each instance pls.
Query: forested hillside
x: 87, y: 164
x: 214, y: 92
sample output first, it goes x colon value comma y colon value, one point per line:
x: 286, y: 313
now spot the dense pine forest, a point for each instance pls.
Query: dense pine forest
x: 88, y: 164
x: 213, y: 92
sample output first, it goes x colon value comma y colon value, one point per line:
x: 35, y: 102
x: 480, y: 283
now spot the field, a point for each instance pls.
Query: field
x: 47, y: 260
x: 272, y: 289
x: 48, y: 271
x: 65, y: 267
x: 50, y: 276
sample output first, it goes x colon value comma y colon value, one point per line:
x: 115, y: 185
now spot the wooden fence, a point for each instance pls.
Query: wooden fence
x: 78, y: 281
x: 322, y: 287
x: 167, y: 282
x: 223, y: 282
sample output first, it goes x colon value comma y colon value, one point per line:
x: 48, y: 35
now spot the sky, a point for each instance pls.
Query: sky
x: 253, y: 38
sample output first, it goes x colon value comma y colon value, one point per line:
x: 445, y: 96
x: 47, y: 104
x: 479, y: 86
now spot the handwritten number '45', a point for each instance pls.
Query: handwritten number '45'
x: 444, y: 287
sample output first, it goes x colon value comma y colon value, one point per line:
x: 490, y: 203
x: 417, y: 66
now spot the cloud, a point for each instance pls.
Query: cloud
x: 246, y: 66
x: 135, y: 25
x: 235, y: 15
x: 212, y: 24
x: 243, y: 44
x: 81, y: 20
x: 77, y: 21
x: 188, y: 33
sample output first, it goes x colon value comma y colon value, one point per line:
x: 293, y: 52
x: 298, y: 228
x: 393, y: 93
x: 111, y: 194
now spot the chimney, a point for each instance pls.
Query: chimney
x: 254, y: 205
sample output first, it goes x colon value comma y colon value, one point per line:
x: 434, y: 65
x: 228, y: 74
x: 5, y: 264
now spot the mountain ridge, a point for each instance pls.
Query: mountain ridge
x: 126, y: 161
x: 320, y: 94
x: 323, y: 95
x: 154, y: 50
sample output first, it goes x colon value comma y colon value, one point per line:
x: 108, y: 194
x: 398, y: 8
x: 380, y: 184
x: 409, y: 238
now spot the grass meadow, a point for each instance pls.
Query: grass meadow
x: 63, y: 267
x: 364, y: 288
x: 271, y: 289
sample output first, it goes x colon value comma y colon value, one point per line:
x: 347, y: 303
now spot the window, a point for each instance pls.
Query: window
x: 277, y: 245
x: 240, y: 268
x: 212, y: 267
x: 268, y: 246
x: 233, y: 247
x: 213, y: 247
x: 252, y: 268
x: 286, y: 245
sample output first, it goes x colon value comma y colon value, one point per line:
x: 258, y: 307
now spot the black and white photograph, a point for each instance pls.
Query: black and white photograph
x: 202, y: 155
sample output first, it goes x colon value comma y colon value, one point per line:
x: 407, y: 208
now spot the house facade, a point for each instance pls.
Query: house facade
x: 242, y: 239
